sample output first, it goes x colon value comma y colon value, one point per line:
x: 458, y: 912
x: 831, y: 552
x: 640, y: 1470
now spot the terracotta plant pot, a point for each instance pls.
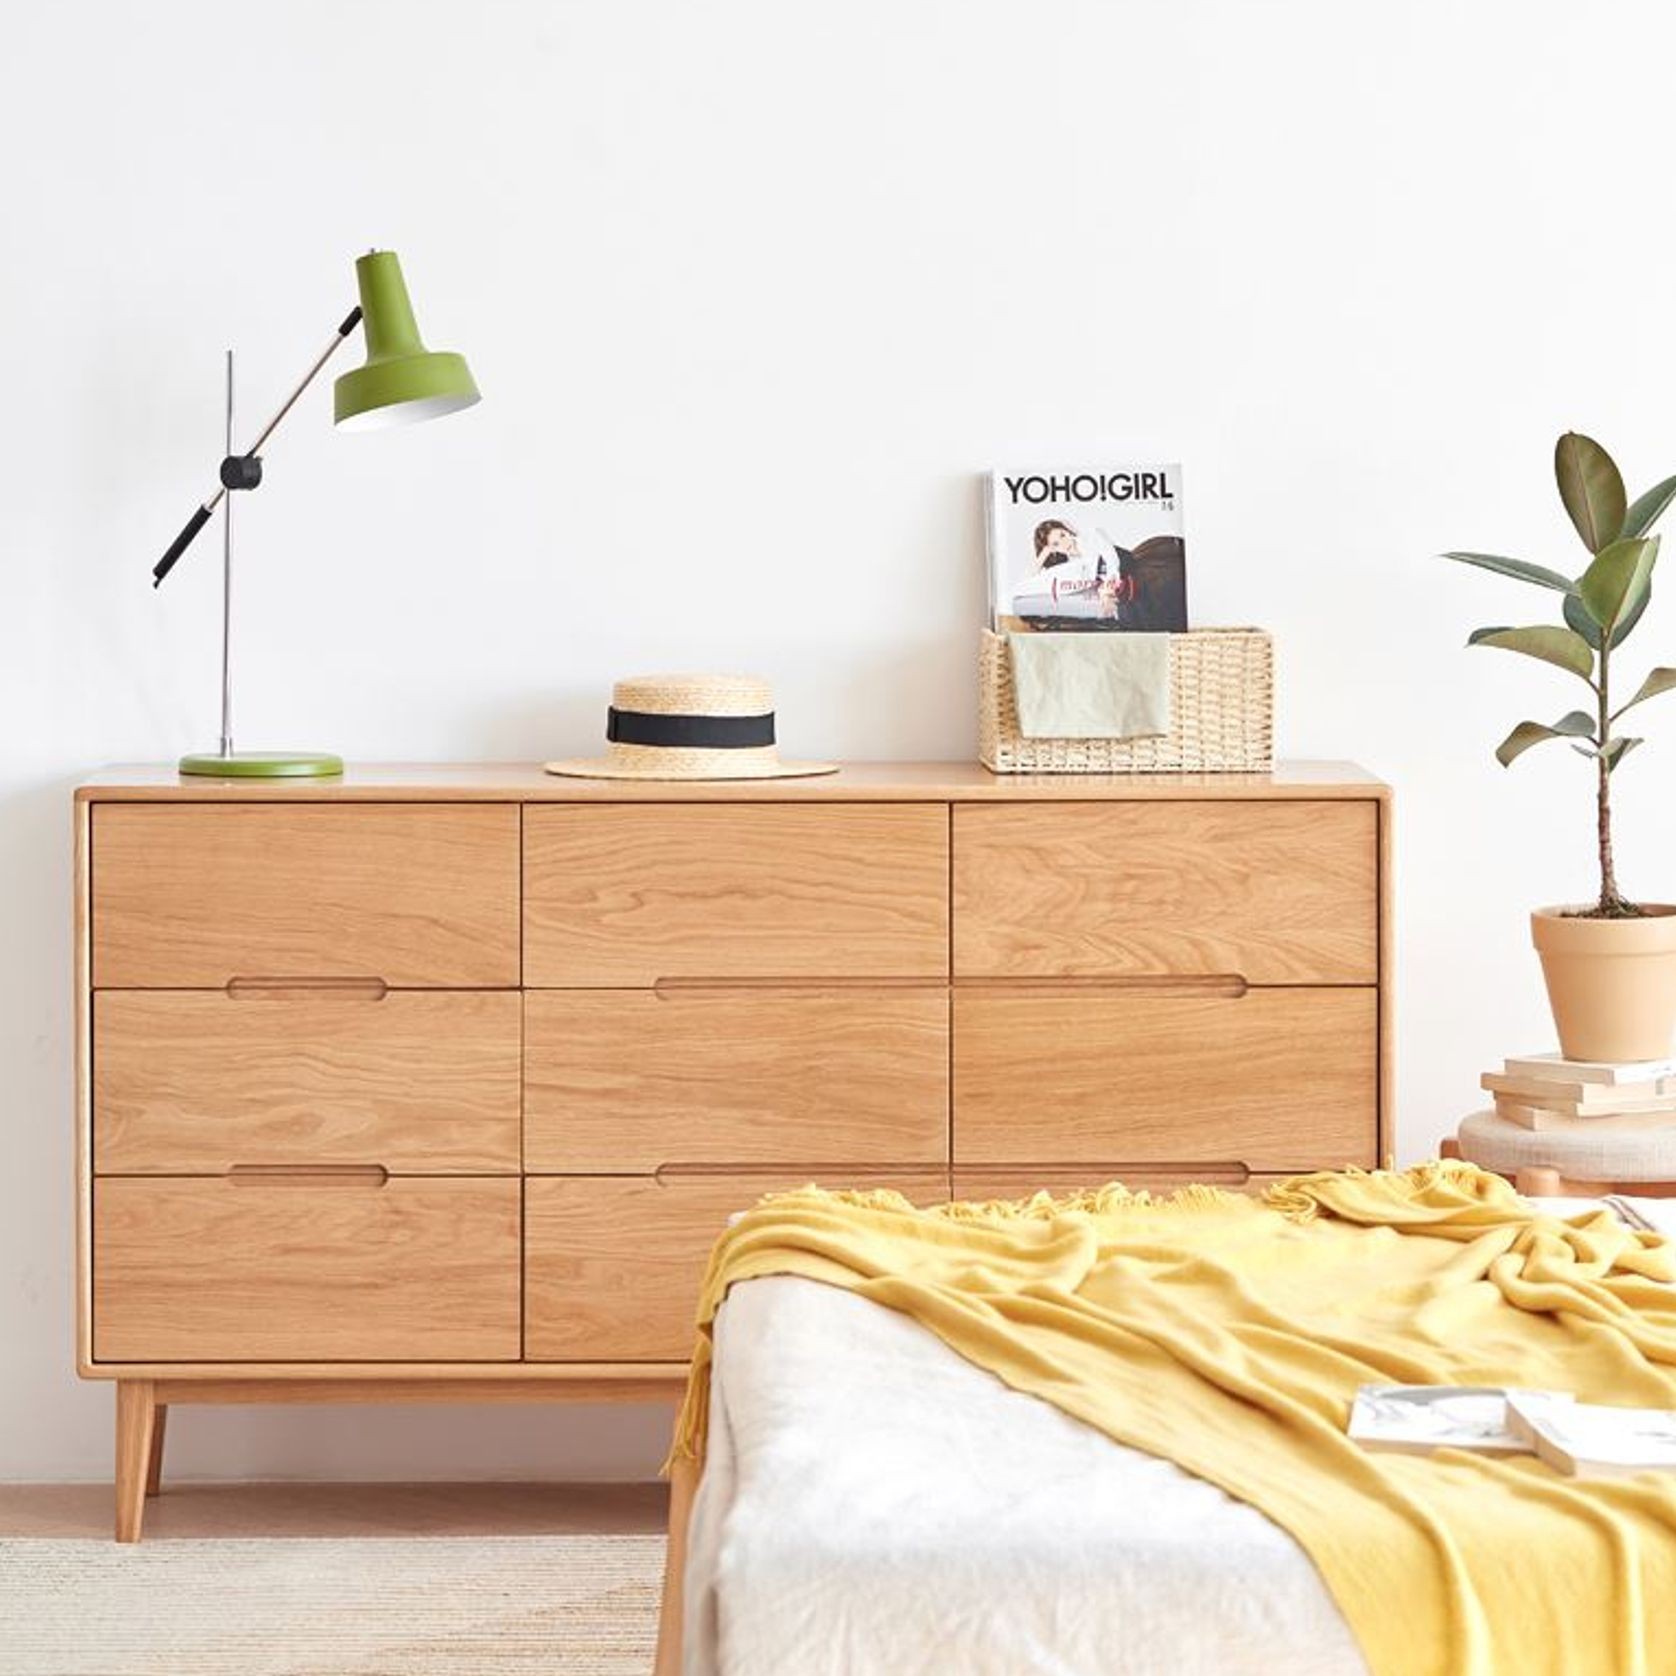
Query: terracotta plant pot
x: 1611, y: 982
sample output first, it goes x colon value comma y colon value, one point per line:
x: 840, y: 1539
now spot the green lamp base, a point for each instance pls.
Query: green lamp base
x: 262, y: 765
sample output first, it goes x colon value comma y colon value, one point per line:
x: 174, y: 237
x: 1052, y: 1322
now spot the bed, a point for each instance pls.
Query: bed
x: 873, y: 1502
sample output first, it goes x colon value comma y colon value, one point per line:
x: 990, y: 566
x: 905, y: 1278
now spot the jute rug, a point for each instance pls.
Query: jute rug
x: 431, y: 1606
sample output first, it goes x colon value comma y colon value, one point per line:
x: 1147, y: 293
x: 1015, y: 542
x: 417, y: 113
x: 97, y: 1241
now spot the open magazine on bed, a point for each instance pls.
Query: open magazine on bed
x: 1582, y: 1439
x: 1416, y: 1419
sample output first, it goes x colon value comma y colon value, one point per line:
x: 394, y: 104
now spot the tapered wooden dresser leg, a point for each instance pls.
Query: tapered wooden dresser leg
x: 154, y: 1468
x: 136, y: 1417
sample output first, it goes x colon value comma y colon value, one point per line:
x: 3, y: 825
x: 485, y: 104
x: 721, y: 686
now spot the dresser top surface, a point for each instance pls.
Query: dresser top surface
x: 525, y: 782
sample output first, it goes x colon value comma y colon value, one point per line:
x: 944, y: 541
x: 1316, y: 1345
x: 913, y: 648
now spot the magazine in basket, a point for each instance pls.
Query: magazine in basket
x: 1087, y: 548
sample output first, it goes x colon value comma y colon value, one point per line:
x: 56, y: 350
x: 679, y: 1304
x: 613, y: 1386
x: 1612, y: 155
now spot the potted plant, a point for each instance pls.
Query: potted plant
x: 1610, y: 965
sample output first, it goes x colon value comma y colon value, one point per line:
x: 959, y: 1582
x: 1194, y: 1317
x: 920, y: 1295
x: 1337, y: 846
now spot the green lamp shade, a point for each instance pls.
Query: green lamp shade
x: 403, y: 381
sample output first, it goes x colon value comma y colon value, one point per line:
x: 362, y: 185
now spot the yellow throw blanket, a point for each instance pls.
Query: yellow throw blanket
x: 1229, y: 1335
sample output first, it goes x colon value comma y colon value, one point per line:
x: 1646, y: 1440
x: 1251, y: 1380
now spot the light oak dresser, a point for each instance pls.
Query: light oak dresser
x: 437, y: 1083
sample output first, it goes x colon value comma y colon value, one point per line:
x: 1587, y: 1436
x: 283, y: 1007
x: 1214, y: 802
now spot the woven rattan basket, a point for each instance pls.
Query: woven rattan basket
x: 1221, y: 714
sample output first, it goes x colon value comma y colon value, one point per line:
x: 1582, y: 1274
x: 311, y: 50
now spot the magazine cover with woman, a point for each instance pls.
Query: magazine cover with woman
x: 1096, y: 548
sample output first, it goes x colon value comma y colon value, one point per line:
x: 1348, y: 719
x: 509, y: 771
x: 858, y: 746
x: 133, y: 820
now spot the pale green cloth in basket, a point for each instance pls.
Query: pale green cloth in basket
x: 1091, y: 686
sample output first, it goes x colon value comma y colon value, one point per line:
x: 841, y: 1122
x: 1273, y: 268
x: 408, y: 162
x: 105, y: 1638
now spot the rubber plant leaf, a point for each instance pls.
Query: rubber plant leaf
x: 1558, y: 646
x: 1578, y: 617
x: 1618, y: 579
x: 1616, y: 750
x: 1646, y: 510
x: 1527, y: 734
x: 1520, y: 569
x: 1658, y: 681
x: 1592, y: 489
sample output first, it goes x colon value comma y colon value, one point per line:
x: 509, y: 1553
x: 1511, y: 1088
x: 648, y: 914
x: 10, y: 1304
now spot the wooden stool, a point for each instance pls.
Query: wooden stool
x: 1570, y: 1163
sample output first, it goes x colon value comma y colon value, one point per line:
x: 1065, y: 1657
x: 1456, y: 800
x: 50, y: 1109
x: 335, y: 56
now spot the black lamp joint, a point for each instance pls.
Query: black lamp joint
x: 241, y: 471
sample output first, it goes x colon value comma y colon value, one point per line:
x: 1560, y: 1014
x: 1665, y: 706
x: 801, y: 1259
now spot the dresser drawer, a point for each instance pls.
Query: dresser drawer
x: 1275, y: 892
x: 299, y: 1268
x: 192, y: 1082
x: 613, y: 1264
x: 192, y: 895
x: 1277, y: 1079
x: 627, y: 1081
x: 625, y: 895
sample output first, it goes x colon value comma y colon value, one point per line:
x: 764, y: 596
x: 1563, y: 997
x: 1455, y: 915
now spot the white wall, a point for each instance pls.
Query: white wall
x: 753, y: 291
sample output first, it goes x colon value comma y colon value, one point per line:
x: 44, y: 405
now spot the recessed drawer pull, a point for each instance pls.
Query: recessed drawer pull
x: 1227, y: 986
x: 668, y: 989
x: 1218, y: 1174
x: 371, y: 989
x: 834, y: 1173
x: 308, y: 1175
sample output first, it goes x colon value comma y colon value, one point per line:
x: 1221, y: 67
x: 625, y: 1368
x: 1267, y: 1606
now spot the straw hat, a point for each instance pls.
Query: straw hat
x: 689, y: 727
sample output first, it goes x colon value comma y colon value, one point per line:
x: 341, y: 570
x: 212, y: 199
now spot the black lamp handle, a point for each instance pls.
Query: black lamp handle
x: 252, y: 476
x: 200, y: 517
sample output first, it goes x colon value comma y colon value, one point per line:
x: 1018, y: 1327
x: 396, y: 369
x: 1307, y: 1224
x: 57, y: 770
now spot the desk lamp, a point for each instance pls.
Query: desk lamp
x: 401, y: 383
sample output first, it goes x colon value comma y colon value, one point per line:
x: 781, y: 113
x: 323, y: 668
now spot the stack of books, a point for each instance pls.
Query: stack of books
x: 1543, y: 1091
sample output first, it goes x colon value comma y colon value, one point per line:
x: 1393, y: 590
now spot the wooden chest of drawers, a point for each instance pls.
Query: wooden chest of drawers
x: 440, y: 1083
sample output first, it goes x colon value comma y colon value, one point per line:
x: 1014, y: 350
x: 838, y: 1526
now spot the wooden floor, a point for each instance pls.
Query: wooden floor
x: 342, y: 1510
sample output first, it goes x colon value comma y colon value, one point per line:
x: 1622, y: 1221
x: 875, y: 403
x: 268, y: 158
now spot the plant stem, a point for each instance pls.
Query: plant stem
x: 1611, y: 901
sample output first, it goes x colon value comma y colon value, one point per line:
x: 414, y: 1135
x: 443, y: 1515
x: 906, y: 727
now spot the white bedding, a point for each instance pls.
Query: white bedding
x: 872, y: 1503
